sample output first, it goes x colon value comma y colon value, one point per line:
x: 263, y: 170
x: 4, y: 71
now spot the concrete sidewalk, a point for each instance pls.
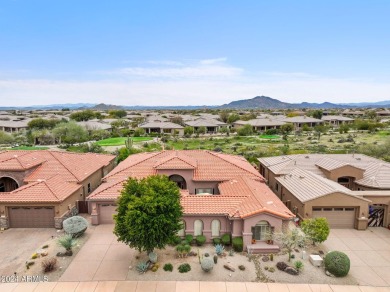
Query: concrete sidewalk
x: 180, y: 286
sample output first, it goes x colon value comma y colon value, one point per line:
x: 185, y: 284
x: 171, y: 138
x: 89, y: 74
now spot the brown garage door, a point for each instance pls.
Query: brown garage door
x: 31, y: 217
x: 105, y: 213
x: 337, y: 217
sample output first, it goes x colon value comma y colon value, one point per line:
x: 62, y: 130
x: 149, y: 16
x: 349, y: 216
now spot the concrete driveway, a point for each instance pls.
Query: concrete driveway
x: 368, y: 250
x: 18, y: 244
x: 102, y: 258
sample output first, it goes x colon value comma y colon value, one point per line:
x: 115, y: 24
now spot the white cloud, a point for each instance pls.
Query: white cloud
x: 194, y: 83
x: 213, y: 61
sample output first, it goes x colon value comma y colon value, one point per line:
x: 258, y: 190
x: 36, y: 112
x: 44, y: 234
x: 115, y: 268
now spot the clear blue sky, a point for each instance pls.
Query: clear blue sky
x: 193, y: 52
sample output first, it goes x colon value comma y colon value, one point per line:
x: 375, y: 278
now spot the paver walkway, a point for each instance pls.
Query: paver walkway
x: 180, y: 286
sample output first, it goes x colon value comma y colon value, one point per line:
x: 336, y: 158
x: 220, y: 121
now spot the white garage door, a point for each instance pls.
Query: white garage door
x: 337, y: 217
x: 106, y: 211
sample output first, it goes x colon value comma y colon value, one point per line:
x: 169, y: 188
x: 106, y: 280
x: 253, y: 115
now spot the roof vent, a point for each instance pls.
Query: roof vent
x: 301, y: 177
x: 15, y: 155
x: 307, y: 156
x: 270, y: 202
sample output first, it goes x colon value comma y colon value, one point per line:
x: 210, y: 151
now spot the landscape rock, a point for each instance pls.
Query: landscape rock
x: 229, y: 267
x: 291, y: 271
x: 265, y: 258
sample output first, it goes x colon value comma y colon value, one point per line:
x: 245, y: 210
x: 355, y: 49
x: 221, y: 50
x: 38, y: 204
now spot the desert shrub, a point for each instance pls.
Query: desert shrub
x: 281, y: 266
x: 207, y: 264
x: 168, y: 267
x: 216, y: 240
x: 238, y: 244
x: 34, y: 256
x: 184, y: 268
x: 298, y: 265
x: 75, y: 226
x: 49, y: 265
x: 45, y: 246
x: 189, y: 238
x: 176, y: 240
x: 200, y: 240
x: 337, y: 263
x: 225, y: 239
x: 67, y: 242
x: 153, y: 257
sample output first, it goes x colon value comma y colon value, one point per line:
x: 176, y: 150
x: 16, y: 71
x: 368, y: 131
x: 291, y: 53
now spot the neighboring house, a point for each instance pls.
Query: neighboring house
x: 260, y: 125
x: 42, y: 188
x: 212, y: 126
x: 353, y: 113
x: 220, y: 193
x: 94, y: 125
x: 337, y: 120
x: 162, y: 128
x: 350, y: 190
x: 383, y: 113
x: 300, y: 121
x: 13, y: 126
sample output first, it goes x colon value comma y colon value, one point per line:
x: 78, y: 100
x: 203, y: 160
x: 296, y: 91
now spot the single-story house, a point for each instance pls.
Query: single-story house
x: 162, y: 128
x: 260, y: 125
x: 220, y: 193
x: 344, y: 188
x: 337, y: 120
x: 211, y: 125
x: 42, y: 188
x: 300, y: 121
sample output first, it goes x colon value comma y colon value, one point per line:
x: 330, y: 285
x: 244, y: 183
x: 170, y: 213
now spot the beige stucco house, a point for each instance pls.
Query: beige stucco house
x: 220, y: 193
x: 42, y: 188
x: 350, y: 190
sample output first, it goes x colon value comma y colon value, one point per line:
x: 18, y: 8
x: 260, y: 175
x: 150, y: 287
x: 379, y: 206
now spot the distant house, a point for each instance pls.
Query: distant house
x: 13, y: 126
x: 162, y: 128
x: 337, y: 120
x: 212, y: 126
x: 220, y: 194
x: 350, y: 190
x: 383, y: 113
x: 260, y: 125
x: 95, y: 125
x: 42, y: 188
x: 300, y: 121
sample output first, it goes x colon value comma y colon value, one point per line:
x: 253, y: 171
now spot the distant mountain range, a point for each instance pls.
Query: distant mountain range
x: 259, y: 102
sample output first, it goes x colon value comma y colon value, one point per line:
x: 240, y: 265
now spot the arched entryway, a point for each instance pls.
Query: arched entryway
x: 260, y: 230
x: 7, y: 184
x: 179, y: 180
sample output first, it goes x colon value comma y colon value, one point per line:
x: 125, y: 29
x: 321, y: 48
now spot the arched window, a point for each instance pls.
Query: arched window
x: 8, y: 184
x: 215, y: 228
x: 179, y: 180
x: 260, y: 230
x: 182, y: 232
x: 198, y: 227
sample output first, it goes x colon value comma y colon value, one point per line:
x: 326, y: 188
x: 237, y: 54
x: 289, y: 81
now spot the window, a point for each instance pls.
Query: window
x: 89, y: 188
x: 349, y: 209
x: 260, y: 230
x: 339, y: 209
x: 198, y: 227
x: 317, y: 209
x: 277, y: 186
x: 179, y: 180
x: 204, y: 191
x: 215, y: 228
x: 327, y: 209
x: 182, y: 232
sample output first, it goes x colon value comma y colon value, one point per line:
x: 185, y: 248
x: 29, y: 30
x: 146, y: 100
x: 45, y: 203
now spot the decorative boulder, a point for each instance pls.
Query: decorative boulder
x: 291, y: 271
x: 207, y: 264
x: 75, y: 226
x: 229, y: 267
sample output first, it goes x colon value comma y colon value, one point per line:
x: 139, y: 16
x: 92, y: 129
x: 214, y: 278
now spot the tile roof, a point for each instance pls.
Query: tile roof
x: 161, y: 125
x: 376, y: 172
x: 205, y: 122
x: 56, y: 175
x: 241, y: 197
x: 261, y: 122
x: 306, y: 186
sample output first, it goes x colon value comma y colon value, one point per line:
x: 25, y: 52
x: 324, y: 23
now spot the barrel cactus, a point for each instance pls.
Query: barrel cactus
x: 153, y: 257
x: 207, y: 264
x: 75, y: 226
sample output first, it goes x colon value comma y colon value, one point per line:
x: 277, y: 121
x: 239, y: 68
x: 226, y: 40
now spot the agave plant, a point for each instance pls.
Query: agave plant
x: 67, y: 242
x: 142, y: 267
x: 219, y: 249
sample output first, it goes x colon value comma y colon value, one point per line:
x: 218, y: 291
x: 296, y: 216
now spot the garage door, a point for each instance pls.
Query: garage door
x: 337, y: 217
x: 31, y: 217
x: 105, y: 213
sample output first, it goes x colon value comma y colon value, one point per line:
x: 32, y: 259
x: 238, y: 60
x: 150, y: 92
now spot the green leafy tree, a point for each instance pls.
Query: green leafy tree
x: 317, y: 114
x: 223, y: 116
x: 233, y: 118
x: 224, y: 130
x: 39, y: 124
x: 201, y: 130
x: 245, y: 130
x: 149, y: 213
x: 316, y: 229
x: 83, y: 115
x: 117, y: 113
x: 290, y: 240
x: 188, y: 130
x: 286, y: 129
x: 70, y: 133
x: 320, y: 129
